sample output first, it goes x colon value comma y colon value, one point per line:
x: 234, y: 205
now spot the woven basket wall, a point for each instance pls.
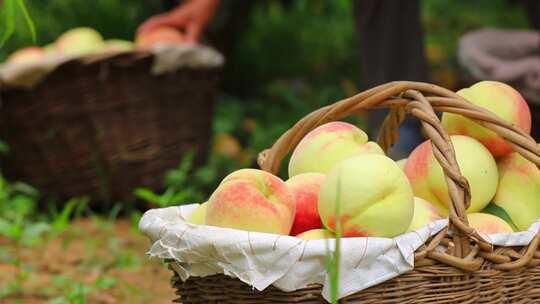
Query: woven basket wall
x: 103, y: 127
x: 467, y: 271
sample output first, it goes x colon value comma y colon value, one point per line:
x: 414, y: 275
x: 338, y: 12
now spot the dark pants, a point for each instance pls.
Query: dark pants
x: 391, y: 48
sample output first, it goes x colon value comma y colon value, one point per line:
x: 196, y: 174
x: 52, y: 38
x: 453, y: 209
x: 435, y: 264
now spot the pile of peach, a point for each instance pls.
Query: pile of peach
x: 84, y: 41
x: 335, y: 170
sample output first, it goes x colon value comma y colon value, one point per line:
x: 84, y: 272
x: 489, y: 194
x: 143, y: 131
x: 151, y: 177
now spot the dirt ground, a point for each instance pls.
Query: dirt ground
x: 95, y: 261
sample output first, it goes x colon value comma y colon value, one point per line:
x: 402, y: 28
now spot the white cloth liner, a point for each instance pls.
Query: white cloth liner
x: 288, y: 263
x: 167, y: 59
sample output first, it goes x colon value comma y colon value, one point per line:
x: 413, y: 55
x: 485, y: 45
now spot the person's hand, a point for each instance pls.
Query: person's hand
x: 191, y: 17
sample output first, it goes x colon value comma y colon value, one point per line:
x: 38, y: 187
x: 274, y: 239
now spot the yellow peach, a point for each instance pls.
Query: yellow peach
x: 198, y: 216
x: 316, y: 234
x: 369, y: 194
x: 476, y: 164
x: 79, y: 41
x: 424, y: 213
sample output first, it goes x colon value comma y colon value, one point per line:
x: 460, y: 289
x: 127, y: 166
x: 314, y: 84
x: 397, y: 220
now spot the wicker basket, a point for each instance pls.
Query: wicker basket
x: 468, y: 271
x: 104, y: 125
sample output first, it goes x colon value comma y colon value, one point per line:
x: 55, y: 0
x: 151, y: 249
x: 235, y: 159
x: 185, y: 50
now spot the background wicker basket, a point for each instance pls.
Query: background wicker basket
x: 469, y: 270
x: 102, y: 126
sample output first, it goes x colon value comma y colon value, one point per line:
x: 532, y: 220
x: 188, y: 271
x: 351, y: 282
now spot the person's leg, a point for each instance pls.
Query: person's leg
x: 391, y: 48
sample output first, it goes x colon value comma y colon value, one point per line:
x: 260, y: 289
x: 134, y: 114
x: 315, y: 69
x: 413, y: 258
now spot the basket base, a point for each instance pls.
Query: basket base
x: 426, y: 284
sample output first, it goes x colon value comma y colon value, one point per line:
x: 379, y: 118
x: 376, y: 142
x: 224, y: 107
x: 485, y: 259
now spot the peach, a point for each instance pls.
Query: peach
x: 476, y: 165
x: 198, y: 216
x: 160, y: 36
x: 401, y: 163
x: 424, y: 213
x: 316, y: 234
x: 79, y: 41
x: 369, y: 194
x: 488, y: 223
x: 252, y: 200
x: 305, y: 188
x: 503, y: 101
x: 327, y: 145
x: 26, y: 55
x: 519, y: 190
x: 118, y: 45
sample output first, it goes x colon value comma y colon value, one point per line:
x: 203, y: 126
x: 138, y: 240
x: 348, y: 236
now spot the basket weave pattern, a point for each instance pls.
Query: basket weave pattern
x: 102, y: 127
x: 470, y: 270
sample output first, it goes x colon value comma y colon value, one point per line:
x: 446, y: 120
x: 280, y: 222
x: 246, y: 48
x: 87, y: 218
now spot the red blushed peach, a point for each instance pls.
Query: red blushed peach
x: 503, y: 101
x: 160, y: 36
x: 488, y: 223
x: 475, y: 163
x: 327, y: 145
x: 305, y: 188
x: 27, y: 55
x: 252, y: 200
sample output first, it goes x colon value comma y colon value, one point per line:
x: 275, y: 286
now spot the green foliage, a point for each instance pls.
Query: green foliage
x: 306, y: 39
x: 445, y: 21
x: 8, y: 16
x: 177, y: 184
x: 17, y: 205
x: 60, y: 221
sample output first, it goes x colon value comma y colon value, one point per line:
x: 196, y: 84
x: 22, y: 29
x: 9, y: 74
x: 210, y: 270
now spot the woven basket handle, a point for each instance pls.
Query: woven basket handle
x: 421, y: 100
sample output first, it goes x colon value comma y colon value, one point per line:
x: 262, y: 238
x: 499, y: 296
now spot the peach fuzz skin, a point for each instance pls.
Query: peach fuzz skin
x: 424, y: 213
x: 159, y: 36
x: 519, y: 190
x: 316, y: 234
x: 27, y: 55
x: 305, y: 188
x: 503, y: 101
x: 375, y: 197
x: 488, y: 223
x: 327, y: 145
x: 252, y: 200
x: 476, y: 165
